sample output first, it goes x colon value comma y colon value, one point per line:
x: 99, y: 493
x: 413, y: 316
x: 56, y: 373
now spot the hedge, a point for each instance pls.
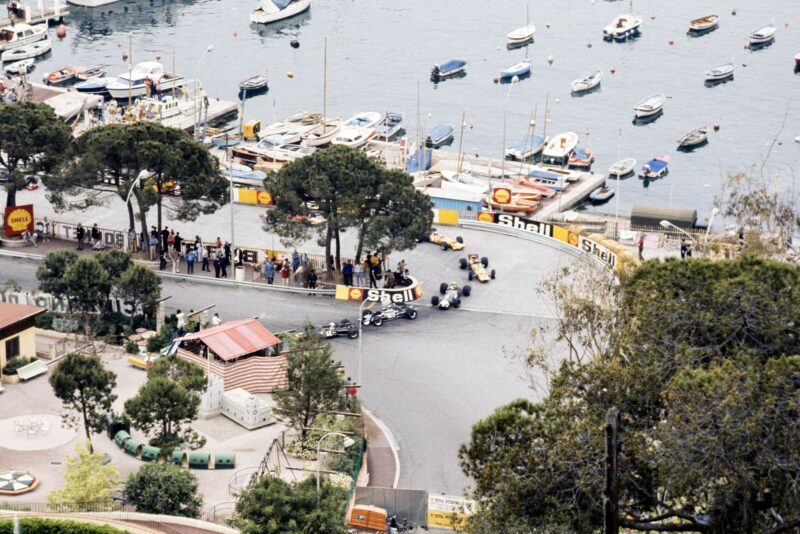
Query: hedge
x: 55, y: 526
x: 12, y: 366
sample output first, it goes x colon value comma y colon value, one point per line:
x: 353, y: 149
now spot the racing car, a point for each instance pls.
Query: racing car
x: 477, y: 268
x: 444, y: 242
x: 390, y: 312
x: 342, y: 328
x: 451, y: 295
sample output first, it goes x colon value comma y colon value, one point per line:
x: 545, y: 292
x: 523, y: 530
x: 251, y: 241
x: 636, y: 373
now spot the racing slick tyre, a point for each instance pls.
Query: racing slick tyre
x: 460, y: 239
x: 457, y: 303
x: 470, y: 276
x: 377, y: 321
x: 443, y: 288
x: 270, y: 218
x: 435, y: 300
x: 492, y: 274
x: 466, y: 290
x: 352, y: 334
x: 462, y: 263
x: 485, y: 262
x: 412, y: 314
x: 444, y: 246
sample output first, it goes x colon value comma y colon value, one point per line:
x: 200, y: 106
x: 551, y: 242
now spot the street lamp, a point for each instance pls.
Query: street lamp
x: 667, y: 225
x: 708, y: 228
x: 348, y: 441
x: 208, y: 50
x: 514, y: 81
x: 142, y: 175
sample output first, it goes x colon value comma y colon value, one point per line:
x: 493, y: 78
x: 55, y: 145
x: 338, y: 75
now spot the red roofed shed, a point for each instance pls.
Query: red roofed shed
x: 244, y: 353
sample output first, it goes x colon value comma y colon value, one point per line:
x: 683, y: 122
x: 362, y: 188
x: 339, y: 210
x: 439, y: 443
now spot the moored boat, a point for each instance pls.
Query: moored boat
x: 28, y: 51
x: 274, y: 10
x: 353, y: 136
x: 95, y: 71
x: 623, y: 167
x: 588, y: 82
x: 439, y: 135
x: 694, y: 138
x: 94, y: 86
x: 391, y: 124
x: 655, y: 168
x: 797, y: 60
x: 254, y: 84
x: 723, y: 72
x: 601, y: 194
x: 762, y: 35
x: 527, y: 147
x: 623, y: 27
x: 703, y: 24
x: 521, y: 35
x: 518, y: 69
x: 146, y: 77
x: 558, y: 149
x: 323, y: 133
x: 21, y: 34
x: 448, y: 68
x: 649, y: 106
x: 581, y: 158
x: 22, y: 66
x: 62, y: 75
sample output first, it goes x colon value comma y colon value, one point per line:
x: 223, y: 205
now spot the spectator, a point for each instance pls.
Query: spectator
x: 99, y: 245
x: 269, y: 270
x: 304, y: 259
x: 95, y: 236
x: 347, y: 273
x: 80, y: 233
x: 204, y: 253
x: 224, y: 261
x: 29, y: 238
x: 218, y: 243
x: 373, y: 276
x: 191, y: 257
x: 285, y: 272
x: 165, y: 238
x: 175, y: 256
x: 295, y: 260
x: 152, y: 243
x: 171, y: 241
x: 181, y: 320
x: 227, y: 249
x: 217, y: 263
x: 132, y: 241
x: 216, y: 320
x: 178, y: 242
x: 358, y: 270
x: 162, y: 260
x: 311, y: 278
x: 641, y: 247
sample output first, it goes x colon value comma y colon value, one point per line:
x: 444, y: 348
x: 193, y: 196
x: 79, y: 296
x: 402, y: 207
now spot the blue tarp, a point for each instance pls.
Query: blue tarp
x: 281, y: 4
x: 656, y: 165
x: 447, y: 66
x: 544, y: 175
x: 580, y: 153
x: 248, y: 175
x: 439, y: 132
x: 528, y: 142
x: 420, y: 160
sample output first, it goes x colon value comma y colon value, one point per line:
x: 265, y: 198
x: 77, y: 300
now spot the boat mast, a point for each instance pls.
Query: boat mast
x: 616, y: 210
x: 130, y: 65
x: 173, y: 72
x: 461, y: 140
x: 546, y: 101
x: 419, y: 132
x: 325, y: 88
x: 530, y: 136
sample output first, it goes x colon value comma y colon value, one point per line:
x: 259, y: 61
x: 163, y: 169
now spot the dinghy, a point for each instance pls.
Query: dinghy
x: 390, y: 125
x: 448, y: 68
x: 20, y: 67
x: 588, y: 82
x: 519, y: 69
x: 521, y: 35
x: 649, y: 106
x: 275, y: 10
x: 623, y: 167
x: 439, y: 135
x: 723, y: 72
x: 762, y: 35
x: 526, y: 148
x: 694, y: 138
x: 601, y: 194
x: 37, y: 49
x: 657, y: 167
x: 704, y: 23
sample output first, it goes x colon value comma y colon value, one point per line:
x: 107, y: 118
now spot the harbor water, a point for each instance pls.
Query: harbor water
x: 381, y: 52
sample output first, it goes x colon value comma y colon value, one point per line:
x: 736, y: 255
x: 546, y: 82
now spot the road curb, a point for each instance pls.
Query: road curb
x: 390, y: 439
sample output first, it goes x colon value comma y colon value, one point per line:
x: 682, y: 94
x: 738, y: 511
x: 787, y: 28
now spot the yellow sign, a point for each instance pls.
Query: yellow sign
x: 501, y: 195
x: 448, y: 511
x: 264, y: 198
x: 19, y: 219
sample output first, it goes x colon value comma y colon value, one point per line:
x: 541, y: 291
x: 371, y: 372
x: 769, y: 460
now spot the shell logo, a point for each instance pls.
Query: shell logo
x: 501, y: 195
x: 19, y: 220
x: 485, y: 216
x: 418, y: 292
x: 264, y: 197
x: 572, y: 239
x: 355, y: 294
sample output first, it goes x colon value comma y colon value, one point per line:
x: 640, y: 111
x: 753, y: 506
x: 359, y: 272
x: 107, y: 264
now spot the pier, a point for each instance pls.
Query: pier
x: 49, y: 15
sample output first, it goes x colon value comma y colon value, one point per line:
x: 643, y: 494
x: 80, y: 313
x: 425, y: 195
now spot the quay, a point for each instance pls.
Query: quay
x: 49, y: 15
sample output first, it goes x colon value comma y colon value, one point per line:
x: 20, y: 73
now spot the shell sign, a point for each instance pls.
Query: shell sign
x: 18, y: 219
x: 485, y: 216
x: 501, y: 195
x: 264, y: 198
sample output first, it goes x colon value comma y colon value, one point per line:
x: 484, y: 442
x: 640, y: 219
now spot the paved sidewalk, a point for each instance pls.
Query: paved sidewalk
x: 382, y: 460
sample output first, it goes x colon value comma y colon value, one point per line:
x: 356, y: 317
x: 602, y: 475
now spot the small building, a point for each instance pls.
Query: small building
x: 462, y: 200
x: 17, y: 331
x: 243, y: 353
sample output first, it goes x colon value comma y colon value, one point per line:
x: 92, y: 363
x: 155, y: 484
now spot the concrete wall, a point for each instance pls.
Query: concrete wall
x: 27, y: 344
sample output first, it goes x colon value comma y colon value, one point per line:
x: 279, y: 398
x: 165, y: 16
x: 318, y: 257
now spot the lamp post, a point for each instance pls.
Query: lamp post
x: 514, y: 81
x: 708, y: 228
x: 360, y: 329
x: 348, y: 441
x: 667, y: 225
x: 208, y: 50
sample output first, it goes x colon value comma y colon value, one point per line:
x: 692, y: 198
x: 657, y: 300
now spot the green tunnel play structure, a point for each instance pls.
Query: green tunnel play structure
x: 192, y: 459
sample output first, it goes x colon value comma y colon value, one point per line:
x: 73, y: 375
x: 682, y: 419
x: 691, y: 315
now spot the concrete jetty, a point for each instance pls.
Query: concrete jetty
x: 28, y: 15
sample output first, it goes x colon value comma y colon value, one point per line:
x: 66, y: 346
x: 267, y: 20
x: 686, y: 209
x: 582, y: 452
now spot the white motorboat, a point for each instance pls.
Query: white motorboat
x: 623, y: 27
x: 762, y: 35
x: 353, y: 136
x: 91, y: 3
x: 22, y: 66
x: 704, y: 24
x: 650, y: 106
x: 274, y: 10
x: 143, y: 75
x: 519, y: 70
x: 32, y: 50
x: 286, y: 153
x: 390, y: 125
x: 322, y: 134
x: 20, y: 35
x: 366, y: 119
x: 623, y: 167
x: 559, y: 148
x: 588, y: 82
x: 694, y: 138
x: 527, y: 147
x: 723, y: 72
x: 294, y: 128
x: 94, y: 86
x: 521, y: 35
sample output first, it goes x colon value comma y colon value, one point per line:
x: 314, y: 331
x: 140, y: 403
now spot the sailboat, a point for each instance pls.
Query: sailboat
x: 328, y: 128
x: 521, y: 36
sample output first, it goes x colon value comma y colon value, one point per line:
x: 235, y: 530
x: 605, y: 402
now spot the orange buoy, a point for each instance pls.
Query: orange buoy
x: 158, y: 57
x: 733, y: 12
x: 588, y: 45
x: 786, y: 24
x: 290, y: 74
x: 61, y: 32
x: 716, y: 126
x: 495, y: 79
x: 124, y: 56
x: 613, y: 69
x: 652, y: 17
x: 671, y: 42
x: 235, y: 34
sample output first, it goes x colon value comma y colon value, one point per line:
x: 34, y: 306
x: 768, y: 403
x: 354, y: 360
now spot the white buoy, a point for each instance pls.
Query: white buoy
x: 550, y: 59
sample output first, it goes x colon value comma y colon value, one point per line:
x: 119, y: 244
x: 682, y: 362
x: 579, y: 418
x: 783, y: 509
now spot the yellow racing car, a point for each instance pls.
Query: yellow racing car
x: 477, y: 268
x: 444, y: 242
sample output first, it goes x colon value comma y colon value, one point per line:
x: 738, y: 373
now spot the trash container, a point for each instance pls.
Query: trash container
x: 239, y: 274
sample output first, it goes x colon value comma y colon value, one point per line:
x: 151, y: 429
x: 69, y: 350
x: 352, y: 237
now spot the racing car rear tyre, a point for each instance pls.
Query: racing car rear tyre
x: 460, y: 239
x: 462, y: 263
x: 443, y: 288
x: 457, y: 303
x: 353, y: 334
x: 466, y: 290
x: 412, y: 314
x: 492, y: 274
x: 377, y: 321
x: 444, y: 246
x: 435, y: 300
x: 470, y: 276
x: 485, y: 262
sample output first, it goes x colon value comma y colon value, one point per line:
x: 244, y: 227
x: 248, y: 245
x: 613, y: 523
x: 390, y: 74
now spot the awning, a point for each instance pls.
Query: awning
x: 235, y: 338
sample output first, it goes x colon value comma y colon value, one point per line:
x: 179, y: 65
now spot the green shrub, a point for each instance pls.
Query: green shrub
x: 131, y: 347
x: 53, y: 526
x: 12, y: 366
x: 44, y: 321
x: 162, y: 339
